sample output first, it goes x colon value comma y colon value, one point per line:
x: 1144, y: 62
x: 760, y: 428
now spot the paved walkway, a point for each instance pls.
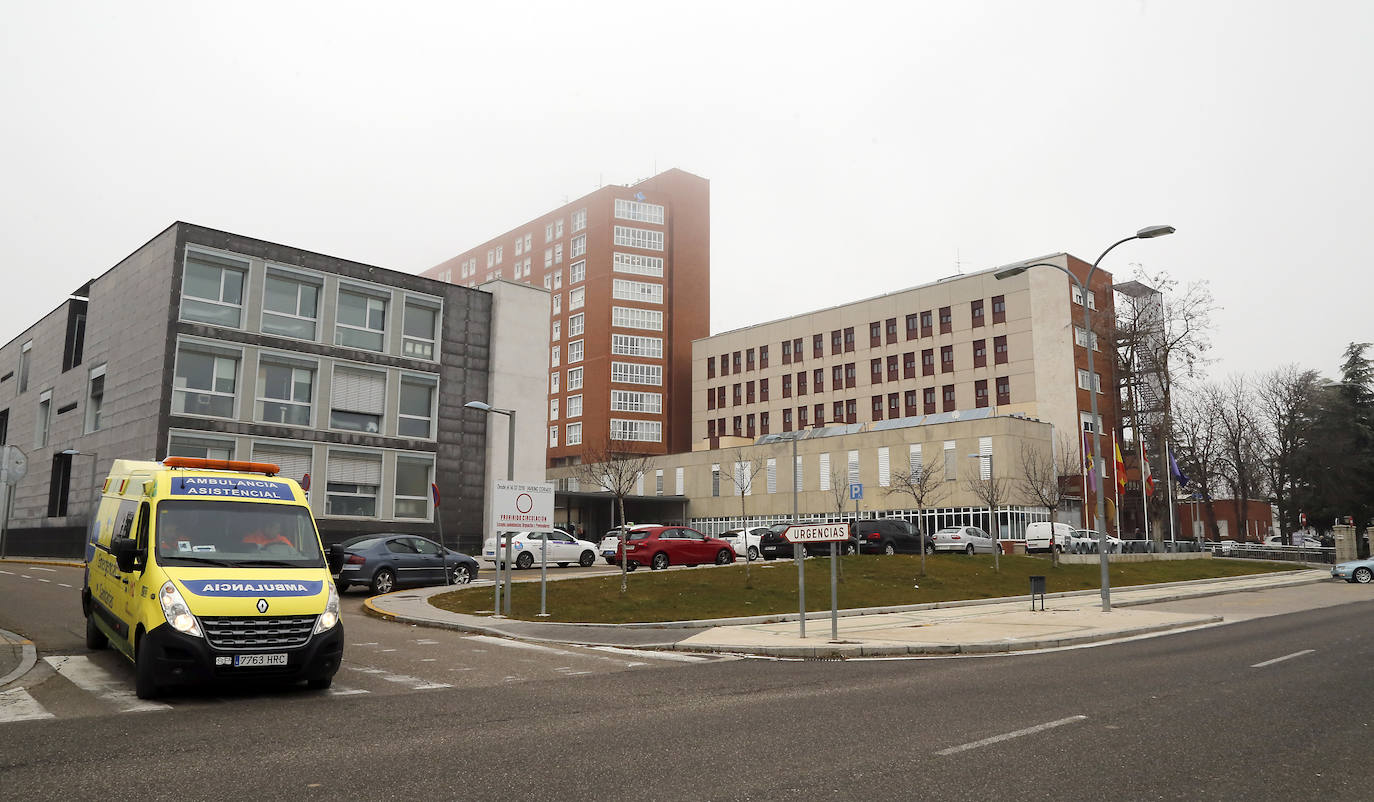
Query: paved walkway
x: 972, y: 627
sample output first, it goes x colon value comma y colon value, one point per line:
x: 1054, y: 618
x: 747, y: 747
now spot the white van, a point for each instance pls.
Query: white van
x: 1044, y: 535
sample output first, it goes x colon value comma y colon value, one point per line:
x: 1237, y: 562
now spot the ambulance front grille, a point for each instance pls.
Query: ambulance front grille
x: 258, y: 633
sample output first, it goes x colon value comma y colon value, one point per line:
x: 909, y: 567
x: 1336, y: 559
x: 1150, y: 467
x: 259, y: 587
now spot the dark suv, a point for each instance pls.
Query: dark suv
x: 773, y: 545
x: 888, y: 536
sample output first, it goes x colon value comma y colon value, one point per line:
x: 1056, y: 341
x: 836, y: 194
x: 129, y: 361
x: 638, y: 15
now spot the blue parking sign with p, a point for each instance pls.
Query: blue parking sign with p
x: 856, y: 491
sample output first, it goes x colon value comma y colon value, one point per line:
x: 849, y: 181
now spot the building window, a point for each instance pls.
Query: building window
x: 416, y: 418
x: 558, y: 303
x: 715, y: 478
x: 951, y: 462
x: 555, y: 356
x: 891, y: 326
x: 212, y: 289
x: 500, y: 253
x: 623, y: 289
x: 420, y: 331
x: 642, y: 238
x: 749, y: 430
x: 976, y: 311
x: 836, y: 341
x: 927, y: 327
x: 632, y: 373
x: 574, y: 379
x: 576, y: 324
x: 553, y: 437
x: 851, y: 375
x: 557, y: 331
x: 849, y: 339
x: 748, y: 392
x: 548, y: 258
x: 711, y: 428
x: 875, y: 371
x: 910, y: 398
x: 817, y: 347
x: 95, y: 399
x: 735, y: 362
x: 928, y: 362
x: 25, y: 362
x: 577, y: 272
x: 574, y: 351
x: 75, y: 345
x: 818, y: 380
x: 875, y: 334
x: 646, y: 431
x: 763, y: 423
x: 911, y: 329
x: 632, y: 401
x: 837, y: 411
x: 851, y: 411
x: 553, y: 409
x: 413, y: 478
x: 205, y: 448
x: 577, y: 248
x: 290, y: 307
x: 639, y: 265
x: 285, y: 390
x: 801, y: 382
x: 204, y: 381
x: 948, y: 393
x: 362, y: 321
x: 787, y: 386
x: 836, y: 376
x: 787, y: 420
x: 909, y: 365
x: 980, y: 353
x: 928, y: 400
x: 553, y: 381
x: 818, y: 414
x: 877, y: 407
x: 892, y: 368
x: 786, y: 352
x: 999, y: 349
x: 710, y: 367
x: 946, y: 320
x: 1003, y: 390
x: 575, y: 406
x: 1080, y: 337
x: 548, y: 234
x: 738, y: 397
x: 352, y: 481
x: 638, y: 211
x: 720, y: 397
x: 579, y: 220
x: 577, y: 298
x: 946, y: 359
x: 980, y: 392
x: 357, y: 400
x: 574, y: 434
x: 749, y: 359
x: 999, y: 309
x: 631, y: 318
x: 763, y: 389
x: 44, y: 423
x: 801, y: 418
x: 59, y: 485
x: 558, y: 254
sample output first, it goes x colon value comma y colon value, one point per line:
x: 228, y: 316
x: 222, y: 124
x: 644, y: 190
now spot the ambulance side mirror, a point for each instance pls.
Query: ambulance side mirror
x: 125, y: 550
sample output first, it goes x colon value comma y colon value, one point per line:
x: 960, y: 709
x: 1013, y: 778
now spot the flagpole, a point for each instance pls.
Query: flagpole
x: 1144, y: 468
x: 1116, y: 481
x: 1087, y: 463
x: 1169, y: 488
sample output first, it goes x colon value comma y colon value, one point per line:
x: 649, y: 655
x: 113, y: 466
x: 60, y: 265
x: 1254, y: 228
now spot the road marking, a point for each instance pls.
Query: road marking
x: 515, y: 644
x: 1281, y: 659
x: 41, y: 579
x: 1009, y: 735
x: 345, y: 691
x: 7, y: 573
x: 17, y: 705
x: 679, y: 656
x: 63, y: 584
x: 93, y: 679
x: 49, y: 570
x: 426, y: 642
x: 415, y: 683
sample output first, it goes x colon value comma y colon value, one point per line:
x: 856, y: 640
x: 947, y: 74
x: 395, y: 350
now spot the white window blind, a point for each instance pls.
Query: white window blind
x: 772, y: 476
x: 294, y: 463
x: 797, y: 474
x: 985, y: 458
x: 680, y: 487
x: 358, y: 391
x: 825, y: 472
x: 914, y: 458
x: 884, y: 468
x: 853, y: 467
x: 355, y: 469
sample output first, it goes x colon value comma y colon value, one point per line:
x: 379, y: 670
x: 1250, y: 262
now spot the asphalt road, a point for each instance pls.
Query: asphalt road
x: 1271, y: 708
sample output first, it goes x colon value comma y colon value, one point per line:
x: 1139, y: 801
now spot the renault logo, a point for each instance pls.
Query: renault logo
x: 262, y: 605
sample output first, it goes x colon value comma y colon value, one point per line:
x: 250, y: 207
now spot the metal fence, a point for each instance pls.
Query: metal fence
x: 1256, y: 551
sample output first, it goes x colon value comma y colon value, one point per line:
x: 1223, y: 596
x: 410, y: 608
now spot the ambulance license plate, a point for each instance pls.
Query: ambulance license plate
x: 249, y: 660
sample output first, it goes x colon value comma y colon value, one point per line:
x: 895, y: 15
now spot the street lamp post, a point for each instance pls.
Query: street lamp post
x: 510, y: 477
x: 1144, y: 233
x: 95, y: 460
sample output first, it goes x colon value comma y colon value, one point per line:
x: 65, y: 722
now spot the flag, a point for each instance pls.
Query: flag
x: 1178, y: 474
x: 1120, y: 466
x: 1089, y: 469
x: 1148, y: 476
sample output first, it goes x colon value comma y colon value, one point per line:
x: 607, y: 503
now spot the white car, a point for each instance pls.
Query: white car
x: 968, y: 539
x: 1085, y: 541
x: 527, y: 549
x: 1044, y: 535
x: 745, y: 544
x: 1298, y: 540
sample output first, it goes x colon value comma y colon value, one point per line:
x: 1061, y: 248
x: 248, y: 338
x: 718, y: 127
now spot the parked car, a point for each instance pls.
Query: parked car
x: 1298, y: 540
x: 1047, y: 535
x: 968, y: 539
x: 745, y: 544
x: 610, y: 544
x: 774, y: 545
x: 387, y: 561
x: 1361, y: 571
x: 888, y: 536
x: 1086, y: 541
x: 661, y: 546
x: 526, y: 549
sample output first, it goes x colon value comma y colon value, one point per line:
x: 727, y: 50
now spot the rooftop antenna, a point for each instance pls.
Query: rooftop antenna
x: 958, y: 263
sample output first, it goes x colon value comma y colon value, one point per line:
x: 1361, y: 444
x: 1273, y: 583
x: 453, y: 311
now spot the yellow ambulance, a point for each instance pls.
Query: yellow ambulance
x: 202, y: 570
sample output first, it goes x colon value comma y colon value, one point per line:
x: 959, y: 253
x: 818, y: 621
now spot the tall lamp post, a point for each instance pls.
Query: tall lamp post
x: 95, y: 460
x: 1145, y: 233
x: 510, y: 477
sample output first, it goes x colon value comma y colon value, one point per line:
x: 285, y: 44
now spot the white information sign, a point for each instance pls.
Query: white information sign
x: 816, y: 533
x: 523, y: 505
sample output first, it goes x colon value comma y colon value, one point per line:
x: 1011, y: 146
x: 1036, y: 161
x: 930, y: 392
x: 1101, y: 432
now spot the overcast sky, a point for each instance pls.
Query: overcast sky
x: 852, y: 148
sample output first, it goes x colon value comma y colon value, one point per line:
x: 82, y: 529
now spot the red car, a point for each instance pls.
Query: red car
x: 661, y: 546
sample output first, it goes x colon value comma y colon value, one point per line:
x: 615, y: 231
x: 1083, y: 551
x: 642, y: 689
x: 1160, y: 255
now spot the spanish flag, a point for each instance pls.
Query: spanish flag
x: 1120, y: 466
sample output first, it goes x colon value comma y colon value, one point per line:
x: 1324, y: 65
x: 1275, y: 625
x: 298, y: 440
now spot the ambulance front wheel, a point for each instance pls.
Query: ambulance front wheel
x: 145, y: 683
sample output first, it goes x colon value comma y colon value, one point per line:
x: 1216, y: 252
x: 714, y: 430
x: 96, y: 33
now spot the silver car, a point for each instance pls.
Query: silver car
x: 968, y: 539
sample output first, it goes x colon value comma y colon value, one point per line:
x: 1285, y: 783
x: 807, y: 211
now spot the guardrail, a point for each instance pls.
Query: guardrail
x: 1256, y: 551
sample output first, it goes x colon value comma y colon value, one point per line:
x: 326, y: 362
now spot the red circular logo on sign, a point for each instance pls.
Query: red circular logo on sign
x: 524, y: 503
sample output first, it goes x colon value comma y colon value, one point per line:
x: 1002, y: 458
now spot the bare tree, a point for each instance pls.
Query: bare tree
x: 1042, y: 475
x: 924, y: 482
x: 1288, y: 401
x: 617, y: 470
x: 743, y: 478
x: 1199, y: 446
x: 994, y: 492
x: 1242, y: 465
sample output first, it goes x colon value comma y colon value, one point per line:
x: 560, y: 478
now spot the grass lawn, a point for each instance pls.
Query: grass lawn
x: 867, y: 581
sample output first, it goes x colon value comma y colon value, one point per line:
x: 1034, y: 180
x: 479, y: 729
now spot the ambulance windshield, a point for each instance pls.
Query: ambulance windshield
x: 237, y: 533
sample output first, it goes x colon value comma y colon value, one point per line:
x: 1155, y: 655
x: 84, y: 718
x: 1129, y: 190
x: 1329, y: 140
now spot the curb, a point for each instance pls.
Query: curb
x: 28, y: 656
x: 485, y: 629
x: 37, y: 561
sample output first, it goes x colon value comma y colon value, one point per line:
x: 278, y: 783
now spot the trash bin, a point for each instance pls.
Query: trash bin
x: 1037, y: 588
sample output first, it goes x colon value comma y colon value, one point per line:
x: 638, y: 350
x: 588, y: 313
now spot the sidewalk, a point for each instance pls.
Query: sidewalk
x: 970, y: 627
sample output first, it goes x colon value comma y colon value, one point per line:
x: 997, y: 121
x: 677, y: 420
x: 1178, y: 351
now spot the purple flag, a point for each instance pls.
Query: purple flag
x: 1173, y: 466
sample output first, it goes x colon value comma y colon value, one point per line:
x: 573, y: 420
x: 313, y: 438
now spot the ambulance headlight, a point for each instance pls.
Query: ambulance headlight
x: 330, y: 616
x: 177, y: 613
